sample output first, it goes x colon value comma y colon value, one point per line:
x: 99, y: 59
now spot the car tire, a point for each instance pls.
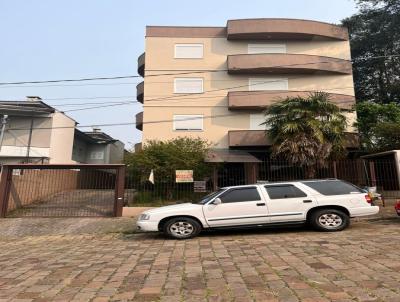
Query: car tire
x: 329, y: 220
x: 181, y: 228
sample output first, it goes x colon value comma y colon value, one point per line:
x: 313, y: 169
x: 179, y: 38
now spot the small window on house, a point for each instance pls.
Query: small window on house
x: 266, y: 48
x: 97, y: 155
x: 188, y: 85
x: 188, y: 51
x: 188, y: 122
x: 268, y: 84
x: 240, y: 195
x: 284, y: 191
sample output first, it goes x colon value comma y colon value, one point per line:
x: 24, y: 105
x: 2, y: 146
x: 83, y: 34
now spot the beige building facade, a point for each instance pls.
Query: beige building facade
x: 213, y: 82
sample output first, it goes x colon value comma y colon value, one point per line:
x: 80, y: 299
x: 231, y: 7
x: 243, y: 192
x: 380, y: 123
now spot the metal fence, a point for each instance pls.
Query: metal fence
x: 382, y: 174
x: 102, y: 190
x: 61, y: 190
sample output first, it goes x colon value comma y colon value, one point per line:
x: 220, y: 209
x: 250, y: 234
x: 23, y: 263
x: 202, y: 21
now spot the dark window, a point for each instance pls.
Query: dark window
x: 286, y: 191
x: 332, y: 187
x: 239, y: 195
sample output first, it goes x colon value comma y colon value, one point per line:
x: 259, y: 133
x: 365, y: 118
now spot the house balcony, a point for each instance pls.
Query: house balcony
x: 279, y: 63
x: 139, y: 121
x: 141, y: 61
x: 257, y: 138
x: 265, y: 98
x: 140, y: 92
x: 284, y: 29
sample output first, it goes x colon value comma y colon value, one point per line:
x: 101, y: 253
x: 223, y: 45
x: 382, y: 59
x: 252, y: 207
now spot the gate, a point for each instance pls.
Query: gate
x: 29, y: 190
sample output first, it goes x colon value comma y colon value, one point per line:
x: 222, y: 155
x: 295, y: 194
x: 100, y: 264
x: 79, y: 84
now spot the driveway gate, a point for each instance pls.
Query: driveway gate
x: 61, y: 190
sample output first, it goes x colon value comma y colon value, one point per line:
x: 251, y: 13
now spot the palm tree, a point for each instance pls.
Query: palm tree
x: 306, y: 131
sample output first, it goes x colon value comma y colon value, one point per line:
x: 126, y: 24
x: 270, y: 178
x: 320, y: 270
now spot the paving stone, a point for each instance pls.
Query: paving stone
x: 359, y: 264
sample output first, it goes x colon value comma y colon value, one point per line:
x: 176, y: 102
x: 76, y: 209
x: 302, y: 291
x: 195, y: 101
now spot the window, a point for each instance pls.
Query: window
x: 256, y: 120
x: 188, y: 85
x: 188, y: 122
x: 266, y: 48
x: 284, y: 191
x: 268, y: 84
x: 240, y: 195
x: 188, y: 51
x: 97, y: 155
x: 332, y: 187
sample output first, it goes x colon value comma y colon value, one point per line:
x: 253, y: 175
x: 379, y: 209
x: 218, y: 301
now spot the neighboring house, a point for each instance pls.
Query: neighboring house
x: 36, y: 132
x: 249, y: 64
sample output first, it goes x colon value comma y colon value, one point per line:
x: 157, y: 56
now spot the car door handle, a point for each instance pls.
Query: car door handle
x: 307, y: 200
x: 260, y: 204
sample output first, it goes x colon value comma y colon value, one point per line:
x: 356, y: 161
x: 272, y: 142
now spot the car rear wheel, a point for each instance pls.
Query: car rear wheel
x: 181, y: 228
x: 329, y: 220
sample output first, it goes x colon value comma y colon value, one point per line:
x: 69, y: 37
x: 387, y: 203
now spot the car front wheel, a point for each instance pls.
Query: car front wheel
x: 181, y: 228
x: 329, y: 220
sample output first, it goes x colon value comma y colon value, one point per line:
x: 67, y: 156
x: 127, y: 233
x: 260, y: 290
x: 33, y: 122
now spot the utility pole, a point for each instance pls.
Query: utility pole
x: 3, y: 129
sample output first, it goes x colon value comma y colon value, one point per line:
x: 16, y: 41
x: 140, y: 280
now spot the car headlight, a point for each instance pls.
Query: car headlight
x: 144, y: 217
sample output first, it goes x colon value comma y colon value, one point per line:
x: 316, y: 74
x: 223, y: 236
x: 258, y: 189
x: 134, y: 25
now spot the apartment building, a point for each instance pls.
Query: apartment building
x: 213, y: 82
x: 37, y: 133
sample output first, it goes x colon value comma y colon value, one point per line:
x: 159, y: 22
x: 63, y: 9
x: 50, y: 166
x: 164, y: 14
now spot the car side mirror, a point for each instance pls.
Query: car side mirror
x: 217, y: 201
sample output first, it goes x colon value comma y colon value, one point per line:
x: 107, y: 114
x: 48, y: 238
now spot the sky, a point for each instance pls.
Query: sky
x: 71, y: 39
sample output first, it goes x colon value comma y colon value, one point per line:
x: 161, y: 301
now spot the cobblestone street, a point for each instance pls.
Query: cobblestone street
x: 359, y: 264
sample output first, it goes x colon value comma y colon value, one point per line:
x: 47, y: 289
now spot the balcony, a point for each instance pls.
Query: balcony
x: 286, y: 63
x: 141, y: 61
x: 284, y: 29
x: 139, y: 121
x: 257, y: 138
x: 262, y: 99
x: 140, y: 92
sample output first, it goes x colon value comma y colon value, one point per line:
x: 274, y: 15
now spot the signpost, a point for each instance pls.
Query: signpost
x: 200, y: 186
x: 184, y: 176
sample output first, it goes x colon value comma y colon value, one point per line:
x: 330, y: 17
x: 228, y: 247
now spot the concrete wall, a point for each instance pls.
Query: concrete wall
x: 37, y: 186
x: 160, y: 56
x: 62, y: 139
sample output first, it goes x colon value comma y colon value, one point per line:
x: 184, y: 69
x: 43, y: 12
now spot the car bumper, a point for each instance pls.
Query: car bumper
x: 364, y: 211
x: 147, y: 226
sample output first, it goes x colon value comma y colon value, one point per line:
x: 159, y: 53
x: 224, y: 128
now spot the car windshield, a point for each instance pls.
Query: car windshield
x: 209, y: 197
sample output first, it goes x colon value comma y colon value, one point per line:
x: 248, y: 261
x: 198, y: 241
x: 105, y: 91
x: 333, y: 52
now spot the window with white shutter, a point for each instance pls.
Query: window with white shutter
x: 188, y: 85
x: 268, y: 84
x: 266, y: 48
x: 188, y: 51
x: 188, y: 122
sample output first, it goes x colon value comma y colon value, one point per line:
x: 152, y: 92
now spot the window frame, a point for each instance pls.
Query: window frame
x: 284, y: 185
x: 176, y: 80
x: 189, y: 44
x: 252, y: 86
x: 192, y: 130
x: 240, y: 189
x: 272, y: 45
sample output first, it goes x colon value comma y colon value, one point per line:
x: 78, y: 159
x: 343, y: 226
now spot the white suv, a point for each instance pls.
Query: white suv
x: 327, y: 205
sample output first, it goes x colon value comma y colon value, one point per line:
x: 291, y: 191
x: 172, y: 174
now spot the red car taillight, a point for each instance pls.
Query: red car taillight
x: 397, y: 206
x: 368, y: 198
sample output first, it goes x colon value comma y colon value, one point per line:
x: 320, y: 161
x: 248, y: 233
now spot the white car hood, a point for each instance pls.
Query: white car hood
x: 176, y: 208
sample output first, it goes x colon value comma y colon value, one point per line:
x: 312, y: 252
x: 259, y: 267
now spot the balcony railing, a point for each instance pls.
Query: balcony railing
x: 141, y: 64
x: 140, y: 92
x: 286, y: 63
x: 284, y: 29
x: 139, y: 121
x: 258, y: 138
x: 265, y: 98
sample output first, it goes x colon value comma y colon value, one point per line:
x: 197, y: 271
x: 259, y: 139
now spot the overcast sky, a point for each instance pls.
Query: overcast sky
x: 55, y: 39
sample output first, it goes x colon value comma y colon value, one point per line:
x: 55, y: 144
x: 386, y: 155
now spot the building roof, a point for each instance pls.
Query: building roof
x: 95, y: 137
x: 25, y: 107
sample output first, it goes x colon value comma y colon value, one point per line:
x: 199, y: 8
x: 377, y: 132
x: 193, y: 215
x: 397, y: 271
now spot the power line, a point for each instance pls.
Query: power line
x: 183, y: 71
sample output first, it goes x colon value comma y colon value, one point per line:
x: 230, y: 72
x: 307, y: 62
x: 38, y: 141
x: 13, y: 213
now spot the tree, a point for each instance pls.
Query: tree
x: 375, y: 46
x: 379, y: 126
x: 306, y: 131
x: 164, y: 157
